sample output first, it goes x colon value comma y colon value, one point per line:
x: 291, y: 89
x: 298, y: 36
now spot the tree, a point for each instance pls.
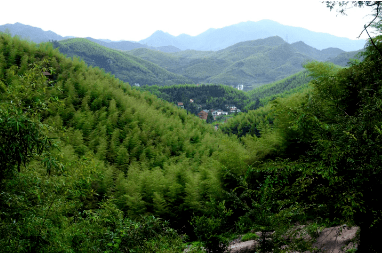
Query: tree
x: 344, y: 120
x: 22, y: 135
x: 21, y: 139
x: 210, y: 118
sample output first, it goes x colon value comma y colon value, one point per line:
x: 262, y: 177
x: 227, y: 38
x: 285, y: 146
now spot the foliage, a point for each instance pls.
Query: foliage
x: 125, y: 67
x: 208, y: 228
x: 203, y: 96
x: 121, y: 155
x: 249, y: 236
x: 21, y: 140
x: 22, y: 136
x: 124, y: 157
x: 251, y: 63
x: 210, y: 118
x: 287, y: 86
x: 347, y: 58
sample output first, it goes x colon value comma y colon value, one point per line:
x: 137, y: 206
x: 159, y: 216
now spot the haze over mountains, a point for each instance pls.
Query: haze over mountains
x: 28, y: 32
x: 216, y: 39
x: 250, y: 63
x: 243, y: 54
x: 210, y: 40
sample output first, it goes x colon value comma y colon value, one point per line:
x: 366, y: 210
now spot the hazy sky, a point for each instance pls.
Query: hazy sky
x: 138, y: 19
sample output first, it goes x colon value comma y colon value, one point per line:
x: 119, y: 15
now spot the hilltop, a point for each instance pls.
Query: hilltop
x: 250, y: 63
x: 210, y: 40
x: 125, y: 67
x: 31, y: 33
x: 38, y: 35
x: 217, y: 39
x: 88, y: 163
x: 117, y: 155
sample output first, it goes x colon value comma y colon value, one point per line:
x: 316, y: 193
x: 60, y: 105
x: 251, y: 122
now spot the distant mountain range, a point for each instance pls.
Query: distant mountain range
x: 210, y: 40
x: 127, y: 68
x: 38, y: 35
x: 250, y: 63
x: 31, y: 33
x: 129, y: 45
x: 217, y: 39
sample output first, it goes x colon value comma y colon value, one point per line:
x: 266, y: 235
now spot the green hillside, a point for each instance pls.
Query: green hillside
x: 89, y: 164
x: 203, y: 96
x: 293, y: 84
x: 119, y: 154
x: 343, y: 58
x: 251, y: 63
x: 125, y: 67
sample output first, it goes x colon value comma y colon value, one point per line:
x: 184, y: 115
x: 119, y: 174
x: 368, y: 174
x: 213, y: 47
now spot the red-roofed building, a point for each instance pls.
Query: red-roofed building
x: 203, y: 115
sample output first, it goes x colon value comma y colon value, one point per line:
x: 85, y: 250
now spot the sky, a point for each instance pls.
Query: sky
x: 138, y: 19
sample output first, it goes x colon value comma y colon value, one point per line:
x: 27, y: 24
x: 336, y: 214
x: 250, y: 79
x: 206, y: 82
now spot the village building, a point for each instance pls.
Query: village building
x: 203, y: 115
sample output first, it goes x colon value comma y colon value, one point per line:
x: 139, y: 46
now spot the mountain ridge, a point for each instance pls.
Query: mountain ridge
x: 213, y: 39
x: 220, y: 38
x: 251, y: 63
x: 125, y: 67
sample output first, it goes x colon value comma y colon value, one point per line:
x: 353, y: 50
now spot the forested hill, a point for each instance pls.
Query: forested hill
x: 89, y: 164
x: 128, y: 45
x: 125, y: 67
x: 119, y: 151
x: 251, y: 63
x: 288, y: 86
x: 196, y: 98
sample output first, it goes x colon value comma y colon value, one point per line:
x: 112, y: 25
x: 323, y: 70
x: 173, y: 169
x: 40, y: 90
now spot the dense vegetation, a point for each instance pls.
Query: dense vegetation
x: 119, y: 154
x: 346, y: 58
x: 321, y: 148
x: 203, y: 96
x: 89, y: 164
x: 262, y: 95
x: 250, y: 63
x: 125, y: 67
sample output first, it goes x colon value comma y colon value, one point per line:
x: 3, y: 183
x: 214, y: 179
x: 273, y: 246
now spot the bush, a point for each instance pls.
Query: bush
x: 249, y: 236
x: 212, y: 229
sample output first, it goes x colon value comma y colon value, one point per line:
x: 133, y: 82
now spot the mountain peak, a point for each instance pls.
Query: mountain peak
x: 160, y: 32
x: 218, y: 39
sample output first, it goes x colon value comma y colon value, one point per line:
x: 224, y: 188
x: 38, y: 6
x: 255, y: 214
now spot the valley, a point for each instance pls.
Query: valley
x: 117, y: 146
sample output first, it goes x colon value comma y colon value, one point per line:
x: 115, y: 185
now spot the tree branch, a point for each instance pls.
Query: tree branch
x: 366, y: 26
x: 379, y: 51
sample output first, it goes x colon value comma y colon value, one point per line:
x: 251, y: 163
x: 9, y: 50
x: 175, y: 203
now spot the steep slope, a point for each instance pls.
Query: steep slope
x: 217, y: 39
x: 125, y: 67
x: 251, y: 63
x: 121, y: 154
x: 320, y: 55
x: 260, y: 96
x: 344, y: 58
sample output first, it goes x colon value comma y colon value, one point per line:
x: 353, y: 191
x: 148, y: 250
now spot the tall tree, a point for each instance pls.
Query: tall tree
x: 210, y: 118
